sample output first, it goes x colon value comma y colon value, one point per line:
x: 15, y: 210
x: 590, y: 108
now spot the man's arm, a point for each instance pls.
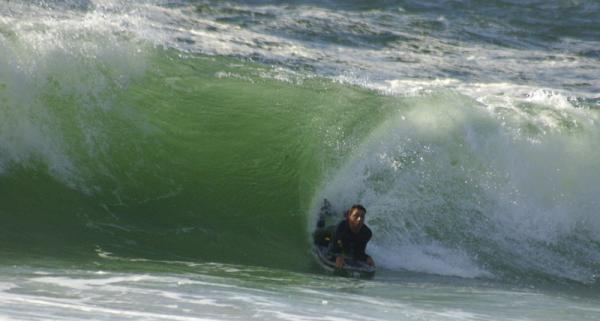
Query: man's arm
x: 337, y: 248
x: 362, y: 246
x: 339, y: 262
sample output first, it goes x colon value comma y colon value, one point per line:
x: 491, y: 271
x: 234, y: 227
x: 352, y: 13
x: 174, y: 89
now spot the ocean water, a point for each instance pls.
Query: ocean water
x: 165, y: 160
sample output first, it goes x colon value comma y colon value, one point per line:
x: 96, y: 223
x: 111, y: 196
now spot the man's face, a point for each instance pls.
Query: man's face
x: 356, y: 219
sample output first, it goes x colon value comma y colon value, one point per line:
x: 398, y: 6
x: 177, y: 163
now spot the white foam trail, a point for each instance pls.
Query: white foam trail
x: 205, y: 295
x: 432, y: 259
x: 6, y: 286
x: 91, y: 311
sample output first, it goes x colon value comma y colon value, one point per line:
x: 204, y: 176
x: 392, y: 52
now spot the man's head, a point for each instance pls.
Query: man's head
x: 356, y: 217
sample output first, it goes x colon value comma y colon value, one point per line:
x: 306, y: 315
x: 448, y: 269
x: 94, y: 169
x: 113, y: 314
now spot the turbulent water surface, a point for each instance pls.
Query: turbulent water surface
x: 164, y: 160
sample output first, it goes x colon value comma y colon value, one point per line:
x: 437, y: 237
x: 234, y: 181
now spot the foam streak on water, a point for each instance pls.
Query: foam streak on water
x: 221, y: 292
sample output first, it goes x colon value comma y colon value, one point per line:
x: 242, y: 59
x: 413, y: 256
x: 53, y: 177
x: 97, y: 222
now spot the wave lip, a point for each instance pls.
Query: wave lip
x: 375, y: 45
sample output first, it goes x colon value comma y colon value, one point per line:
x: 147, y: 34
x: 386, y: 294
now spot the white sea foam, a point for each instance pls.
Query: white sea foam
x: 440, y: 181
x: 7, y: 286
x: 90, y: 283
x: 422, y: 57
x: 211, y: 297
x: 432, y: 259
x: 48, y: 54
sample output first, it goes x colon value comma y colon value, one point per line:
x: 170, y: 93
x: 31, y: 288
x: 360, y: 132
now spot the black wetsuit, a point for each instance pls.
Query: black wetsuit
x: 346, y: 242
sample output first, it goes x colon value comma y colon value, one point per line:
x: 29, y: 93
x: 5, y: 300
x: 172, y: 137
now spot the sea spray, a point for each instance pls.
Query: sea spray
x: 473, y: 192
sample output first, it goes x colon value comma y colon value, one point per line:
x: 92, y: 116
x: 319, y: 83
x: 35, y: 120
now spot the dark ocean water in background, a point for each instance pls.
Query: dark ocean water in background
x: 165, y: 159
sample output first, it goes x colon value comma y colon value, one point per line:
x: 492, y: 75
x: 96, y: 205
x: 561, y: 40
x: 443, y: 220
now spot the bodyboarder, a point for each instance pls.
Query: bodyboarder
x: 349, y: 238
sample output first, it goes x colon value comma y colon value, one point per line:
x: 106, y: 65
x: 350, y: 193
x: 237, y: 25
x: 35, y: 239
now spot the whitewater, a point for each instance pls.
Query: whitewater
x: 165, y: 160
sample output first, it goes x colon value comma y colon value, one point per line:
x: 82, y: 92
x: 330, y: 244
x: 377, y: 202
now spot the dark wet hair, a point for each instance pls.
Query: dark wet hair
x: 358, y: 207
x: 355, y: 207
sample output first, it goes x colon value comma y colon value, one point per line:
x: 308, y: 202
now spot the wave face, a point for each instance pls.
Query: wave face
x: 212, y: 130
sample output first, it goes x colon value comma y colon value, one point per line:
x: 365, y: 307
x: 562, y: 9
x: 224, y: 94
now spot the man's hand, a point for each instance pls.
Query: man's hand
x: 369, y: 261
x: 339, y: 262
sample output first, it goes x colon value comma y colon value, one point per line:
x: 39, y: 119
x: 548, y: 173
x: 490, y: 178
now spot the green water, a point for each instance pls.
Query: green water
x: 198, y: 158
